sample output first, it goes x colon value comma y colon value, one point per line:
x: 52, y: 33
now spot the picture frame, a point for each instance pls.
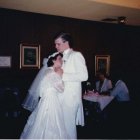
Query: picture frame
x: 29, y: 56
x: 102, y: 62
x: 5, y: 61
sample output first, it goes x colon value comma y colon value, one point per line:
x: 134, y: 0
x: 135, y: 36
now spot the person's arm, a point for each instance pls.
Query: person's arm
x: 125, y: 87
x: 115, y: 90
x: 97, y: 86
x: 81, y: 73
x: 109, y: 88
x: 109, y: 85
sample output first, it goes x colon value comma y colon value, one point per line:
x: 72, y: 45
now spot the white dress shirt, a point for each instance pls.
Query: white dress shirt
x: 107, y: 84
x: 120, y: 91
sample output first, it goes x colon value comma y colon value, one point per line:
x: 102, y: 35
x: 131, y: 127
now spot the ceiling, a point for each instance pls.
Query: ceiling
x: 94, y: 10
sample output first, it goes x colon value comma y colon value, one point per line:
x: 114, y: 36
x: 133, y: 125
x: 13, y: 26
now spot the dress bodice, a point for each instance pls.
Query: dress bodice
x: 51, y: 84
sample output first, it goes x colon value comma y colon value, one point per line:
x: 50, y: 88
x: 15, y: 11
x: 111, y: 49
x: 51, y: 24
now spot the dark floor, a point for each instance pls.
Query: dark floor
x: 111, y: 124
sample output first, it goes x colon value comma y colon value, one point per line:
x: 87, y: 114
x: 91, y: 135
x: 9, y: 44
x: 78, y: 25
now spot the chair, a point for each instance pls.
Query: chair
x: 10, y: 103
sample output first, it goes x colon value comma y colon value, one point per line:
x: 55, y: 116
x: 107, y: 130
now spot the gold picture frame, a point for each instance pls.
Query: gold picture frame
x: 29, y: 56
x: 102, y: 62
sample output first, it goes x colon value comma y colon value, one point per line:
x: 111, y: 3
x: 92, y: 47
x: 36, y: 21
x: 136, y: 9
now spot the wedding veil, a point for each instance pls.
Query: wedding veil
x: 32, y: 97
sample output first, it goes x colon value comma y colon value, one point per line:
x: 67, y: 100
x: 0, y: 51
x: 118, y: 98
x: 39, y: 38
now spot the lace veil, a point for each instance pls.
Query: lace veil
x: 32, y: 97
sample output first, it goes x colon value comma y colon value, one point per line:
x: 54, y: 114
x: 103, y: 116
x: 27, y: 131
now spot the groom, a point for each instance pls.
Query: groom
x: 74, y: 72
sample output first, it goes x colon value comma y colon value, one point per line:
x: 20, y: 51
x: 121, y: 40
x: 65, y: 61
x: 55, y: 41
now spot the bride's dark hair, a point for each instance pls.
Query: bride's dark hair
x: 52, y: 58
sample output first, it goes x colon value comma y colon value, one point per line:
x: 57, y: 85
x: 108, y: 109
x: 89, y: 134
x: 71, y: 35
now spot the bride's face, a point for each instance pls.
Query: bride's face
x: 58, y: 62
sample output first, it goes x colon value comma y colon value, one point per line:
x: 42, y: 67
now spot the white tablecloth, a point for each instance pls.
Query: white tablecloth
x: 103, y: 100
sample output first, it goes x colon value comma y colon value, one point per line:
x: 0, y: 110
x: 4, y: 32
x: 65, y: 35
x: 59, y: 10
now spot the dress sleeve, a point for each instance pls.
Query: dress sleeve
x: 50, y: 81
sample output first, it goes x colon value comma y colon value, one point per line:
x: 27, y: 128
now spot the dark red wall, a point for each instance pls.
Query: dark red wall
x: 121, y: 42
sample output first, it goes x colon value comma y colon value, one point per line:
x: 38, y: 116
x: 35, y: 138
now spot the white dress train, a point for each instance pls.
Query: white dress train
x: 46, y: 121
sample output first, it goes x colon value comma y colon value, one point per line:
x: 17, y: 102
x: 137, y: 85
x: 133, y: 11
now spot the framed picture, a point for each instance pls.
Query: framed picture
x: 29, y: 56
x: 5, y: 61
x: 102, y: 62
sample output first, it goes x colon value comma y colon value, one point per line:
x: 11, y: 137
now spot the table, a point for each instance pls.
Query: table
x: 102, y: 100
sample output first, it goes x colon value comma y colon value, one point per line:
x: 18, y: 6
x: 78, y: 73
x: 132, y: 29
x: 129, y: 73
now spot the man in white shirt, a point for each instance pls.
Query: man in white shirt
x: 74, y: 72
x: 120, y: 91
x: 122, y: 108
x: 103, y: 85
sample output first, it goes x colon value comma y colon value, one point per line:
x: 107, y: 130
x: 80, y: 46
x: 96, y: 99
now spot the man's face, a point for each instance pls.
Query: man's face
x: 61, y: 45
x: 101, y: 77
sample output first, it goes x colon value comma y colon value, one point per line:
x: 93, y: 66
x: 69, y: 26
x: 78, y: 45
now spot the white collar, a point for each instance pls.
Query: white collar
x: 66, y: 51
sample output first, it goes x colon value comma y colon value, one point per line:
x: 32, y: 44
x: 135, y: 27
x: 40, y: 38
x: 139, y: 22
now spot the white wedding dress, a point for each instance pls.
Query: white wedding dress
x: 46, y: 121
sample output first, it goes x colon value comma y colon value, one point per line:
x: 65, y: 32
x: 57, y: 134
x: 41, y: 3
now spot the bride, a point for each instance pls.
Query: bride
x: 46, y: 120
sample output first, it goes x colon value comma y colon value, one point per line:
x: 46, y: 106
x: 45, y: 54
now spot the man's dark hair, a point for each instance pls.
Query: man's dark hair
x: 65, y: 37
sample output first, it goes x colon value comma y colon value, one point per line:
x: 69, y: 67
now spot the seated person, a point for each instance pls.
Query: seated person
x: 122, y: 106
x: 120, y: 91
x: 103, y: 85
